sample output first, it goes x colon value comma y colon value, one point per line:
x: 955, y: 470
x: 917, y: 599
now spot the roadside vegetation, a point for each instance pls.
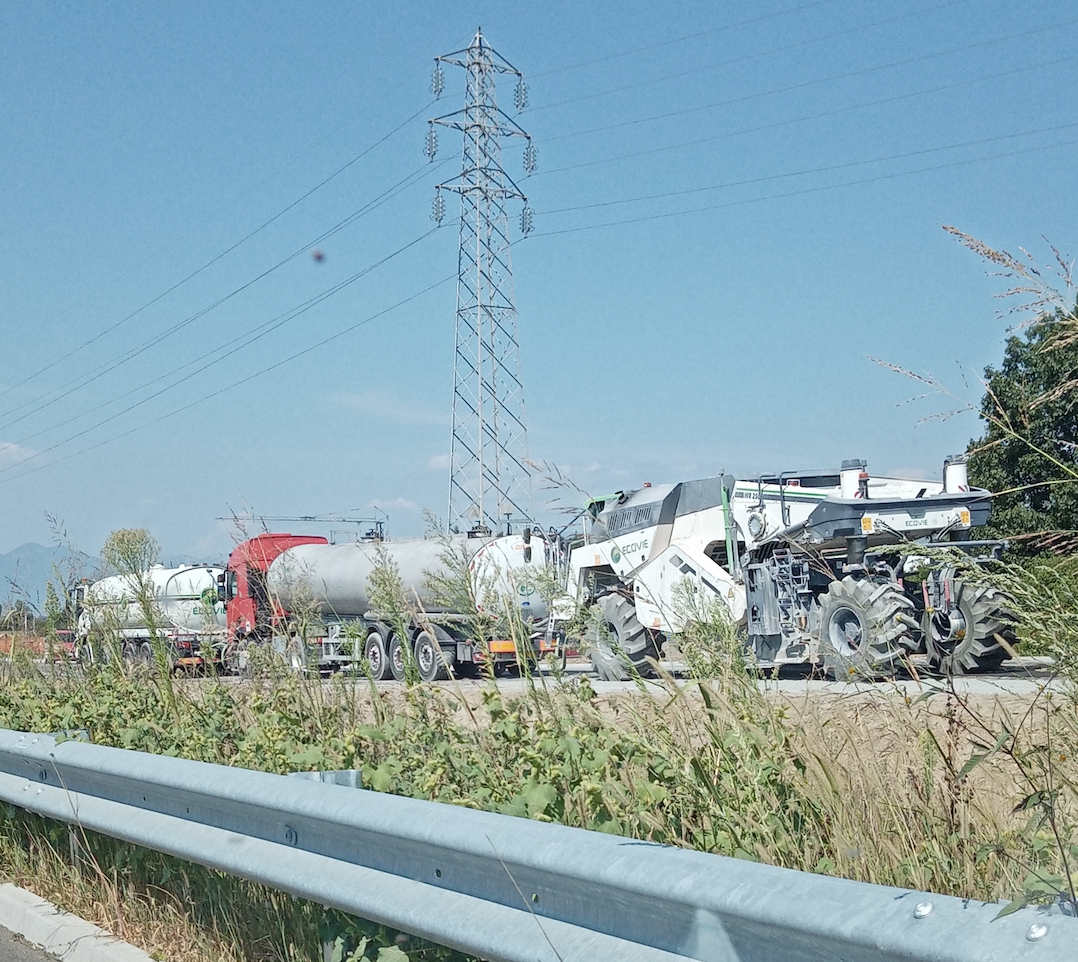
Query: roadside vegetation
x: 973, y: 796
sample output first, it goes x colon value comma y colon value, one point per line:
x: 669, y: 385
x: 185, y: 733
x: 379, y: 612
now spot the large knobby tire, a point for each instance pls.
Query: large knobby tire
x: 967, y: 640
x: 430, y: 663
x: 620, y: 645
x: 862, y: 631
x: 376, y: 652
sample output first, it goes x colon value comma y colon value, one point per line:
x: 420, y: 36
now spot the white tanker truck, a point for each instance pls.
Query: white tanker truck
x: 311, y: 600
x: 183, y: 607
x: 820, y: 567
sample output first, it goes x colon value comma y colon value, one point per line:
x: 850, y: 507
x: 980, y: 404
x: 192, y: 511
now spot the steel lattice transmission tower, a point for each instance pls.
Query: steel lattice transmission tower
x: 489, y: 480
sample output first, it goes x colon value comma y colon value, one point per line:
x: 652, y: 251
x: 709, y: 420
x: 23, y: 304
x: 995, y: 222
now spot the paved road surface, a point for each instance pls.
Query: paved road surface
x: 1024, y: 677
x: 14, y: 949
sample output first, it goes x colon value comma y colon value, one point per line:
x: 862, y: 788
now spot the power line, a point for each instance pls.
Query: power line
x: 813, y: 170
x: 804, y: 118
x: 811, y: 83
x: 299, y: 310
x: 691, y: 36
x: 230, y: 387
x: 237, y: 344
x: 108, y: 367
x: 231, y: 203
x: 217, y: 257
x: 773, y: 51
x: 806, y: 190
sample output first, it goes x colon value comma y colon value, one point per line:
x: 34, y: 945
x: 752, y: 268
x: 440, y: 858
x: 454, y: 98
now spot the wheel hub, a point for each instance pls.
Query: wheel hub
x: 426, y: 658
x: 846, y: 631
x: 948, y: 628
x: 374, y: 657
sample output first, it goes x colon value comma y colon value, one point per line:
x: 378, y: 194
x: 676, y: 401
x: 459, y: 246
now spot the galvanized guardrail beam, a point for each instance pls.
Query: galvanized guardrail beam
x: 499, y: 887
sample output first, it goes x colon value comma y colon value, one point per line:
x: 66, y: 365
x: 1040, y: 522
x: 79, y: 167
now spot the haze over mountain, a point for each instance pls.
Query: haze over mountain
x: 25, y: 571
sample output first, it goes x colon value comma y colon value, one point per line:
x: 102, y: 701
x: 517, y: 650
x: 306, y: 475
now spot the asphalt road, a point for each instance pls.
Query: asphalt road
x: 14, y: 949
x: 1023, y: 677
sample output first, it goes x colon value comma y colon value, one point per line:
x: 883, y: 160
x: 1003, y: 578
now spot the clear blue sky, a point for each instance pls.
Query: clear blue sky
x: 808, y: 154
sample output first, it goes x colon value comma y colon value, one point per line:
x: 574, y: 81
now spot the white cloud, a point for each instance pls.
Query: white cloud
x: 401, y: 504
x: 11, y: 454
x: 571, y: 472
x: 439, y: 462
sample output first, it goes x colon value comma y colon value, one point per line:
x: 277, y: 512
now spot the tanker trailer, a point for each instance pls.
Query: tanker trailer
x: 311, y: 600
x: 184, y: 612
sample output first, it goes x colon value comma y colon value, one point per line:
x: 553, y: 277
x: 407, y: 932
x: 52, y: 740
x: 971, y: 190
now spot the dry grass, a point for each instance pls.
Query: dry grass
x: 871, y: 786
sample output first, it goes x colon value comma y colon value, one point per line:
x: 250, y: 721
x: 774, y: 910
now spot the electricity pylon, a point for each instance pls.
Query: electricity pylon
x: 489, y: 480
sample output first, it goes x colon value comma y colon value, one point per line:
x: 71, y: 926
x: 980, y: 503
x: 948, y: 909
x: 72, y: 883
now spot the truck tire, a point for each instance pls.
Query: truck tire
x: 376, y: 652
x: 396, y: 657
x: 429, y: 662
x: 862, y: 635
x: 968, y: 643
x: 620, y: 646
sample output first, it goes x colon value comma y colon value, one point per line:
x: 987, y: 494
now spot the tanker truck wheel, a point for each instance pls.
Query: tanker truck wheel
x: 620, y: 645
x: 376, y: 653
x: 965, y: 639
x: 396, y: 657
x: 429, y: 661
x: 864, y: 629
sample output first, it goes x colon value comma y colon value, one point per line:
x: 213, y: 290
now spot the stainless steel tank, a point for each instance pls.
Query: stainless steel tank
x: 334, y: 579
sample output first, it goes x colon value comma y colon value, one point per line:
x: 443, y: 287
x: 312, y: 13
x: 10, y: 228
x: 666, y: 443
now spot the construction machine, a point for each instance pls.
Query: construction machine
x: 836, y: 569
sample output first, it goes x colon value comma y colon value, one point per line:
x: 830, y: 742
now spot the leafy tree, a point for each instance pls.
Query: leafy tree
x: 1029, y: 451
x: 130, y: 550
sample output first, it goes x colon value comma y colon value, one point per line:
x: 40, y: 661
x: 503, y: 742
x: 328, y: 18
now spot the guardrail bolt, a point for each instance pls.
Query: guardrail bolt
x: 291, y: 836
x: 1037, y: 931
x: 922, y: 910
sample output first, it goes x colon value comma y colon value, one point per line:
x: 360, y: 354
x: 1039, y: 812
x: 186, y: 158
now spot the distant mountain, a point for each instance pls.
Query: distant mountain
x: 26, y: 570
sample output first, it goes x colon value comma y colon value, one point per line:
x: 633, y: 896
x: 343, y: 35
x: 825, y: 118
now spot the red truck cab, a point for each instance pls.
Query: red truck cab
x: 251, y: 610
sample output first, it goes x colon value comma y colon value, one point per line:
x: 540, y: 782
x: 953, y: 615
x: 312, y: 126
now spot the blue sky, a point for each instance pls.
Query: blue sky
x: 736, y: 207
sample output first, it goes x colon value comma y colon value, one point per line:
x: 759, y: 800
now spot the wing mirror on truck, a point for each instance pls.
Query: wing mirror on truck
x: 527, y: 544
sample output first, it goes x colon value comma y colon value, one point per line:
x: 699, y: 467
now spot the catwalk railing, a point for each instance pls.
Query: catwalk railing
x: 499, y: 887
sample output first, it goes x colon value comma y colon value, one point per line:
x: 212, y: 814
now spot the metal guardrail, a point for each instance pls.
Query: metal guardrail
x: 499, y: 887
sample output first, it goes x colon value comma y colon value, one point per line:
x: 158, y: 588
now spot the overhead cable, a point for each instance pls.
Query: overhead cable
x: 804, y: 118
x: 770, y: 52
x: 802, y: 191
x: 57, y: 394
x: 301, y: 309
x: 213, y: 260
x: 811, y: 83
x: 690, y: 36
x: 811, y: 170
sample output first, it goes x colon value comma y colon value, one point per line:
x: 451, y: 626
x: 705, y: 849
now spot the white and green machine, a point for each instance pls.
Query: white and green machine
x: 809, y: 562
